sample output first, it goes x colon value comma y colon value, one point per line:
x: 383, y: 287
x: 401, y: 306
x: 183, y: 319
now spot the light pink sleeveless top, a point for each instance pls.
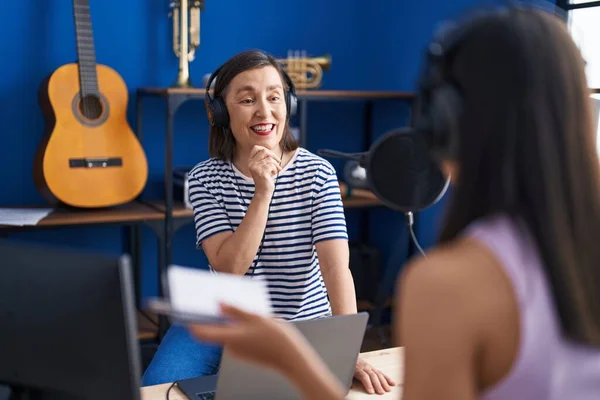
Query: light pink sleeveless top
x: 547, y: 367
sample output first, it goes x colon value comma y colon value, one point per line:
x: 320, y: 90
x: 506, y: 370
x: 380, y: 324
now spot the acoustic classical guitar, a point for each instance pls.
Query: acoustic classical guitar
x: 89, y: 156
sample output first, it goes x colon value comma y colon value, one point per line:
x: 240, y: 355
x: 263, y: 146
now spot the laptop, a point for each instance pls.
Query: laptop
x: 337, y: 339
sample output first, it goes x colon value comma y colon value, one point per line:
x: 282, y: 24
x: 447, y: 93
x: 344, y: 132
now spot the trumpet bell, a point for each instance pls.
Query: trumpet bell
x: 305, y: 72
x: 186, y: 36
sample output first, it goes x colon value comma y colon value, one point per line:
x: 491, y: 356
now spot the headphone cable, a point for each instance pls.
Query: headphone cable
x: 410, y: 222
x: 169, y: 389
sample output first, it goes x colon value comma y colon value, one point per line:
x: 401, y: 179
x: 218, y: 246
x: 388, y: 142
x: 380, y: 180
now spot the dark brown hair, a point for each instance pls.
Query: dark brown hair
x: 221, y: 142
x: 527, y: 149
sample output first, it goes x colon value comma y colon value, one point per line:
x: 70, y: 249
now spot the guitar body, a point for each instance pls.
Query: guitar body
x: 89, y: 156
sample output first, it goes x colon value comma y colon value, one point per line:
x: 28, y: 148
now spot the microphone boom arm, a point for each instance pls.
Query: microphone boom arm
x: 360, y: 157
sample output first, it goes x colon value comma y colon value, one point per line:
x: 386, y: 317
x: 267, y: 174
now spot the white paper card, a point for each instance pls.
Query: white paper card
x: 23, y: 216
x: 200, y: 292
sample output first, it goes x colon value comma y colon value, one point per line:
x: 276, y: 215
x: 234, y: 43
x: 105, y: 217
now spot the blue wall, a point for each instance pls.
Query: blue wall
x: 375, y: 47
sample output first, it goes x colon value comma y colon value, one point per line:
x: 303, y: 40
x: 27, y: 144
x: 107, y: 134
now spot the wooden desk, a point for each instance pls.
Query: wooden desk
x: 388, y: 361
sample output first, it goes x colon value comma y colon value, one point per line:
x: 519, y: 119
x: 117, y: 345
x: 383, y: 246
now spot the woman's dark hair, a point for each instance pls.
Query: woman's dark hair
x: 221, y: 142
x: 527, y: 149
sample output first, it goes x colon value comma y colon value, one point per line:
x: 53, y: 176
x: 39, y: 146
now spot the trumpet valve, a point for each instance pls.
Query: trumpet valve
x: 305, y: 72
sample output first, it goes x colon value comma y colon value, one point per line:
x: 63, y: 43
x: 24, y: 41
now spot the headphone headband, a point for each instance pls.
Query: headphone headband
x: 217, y: 110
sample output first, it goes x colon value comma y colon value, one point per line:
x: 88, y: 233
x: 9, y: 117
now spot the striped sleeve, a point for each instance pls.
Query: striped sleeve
x: 328, y: 218
x: 210, y: 216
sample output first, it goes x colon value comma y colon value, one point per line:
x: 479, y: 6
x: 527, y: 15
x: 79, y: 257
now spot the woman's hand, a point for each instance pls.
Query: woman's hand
x: 373, y: 380
x: 261, y: 340
x: 263, y: 165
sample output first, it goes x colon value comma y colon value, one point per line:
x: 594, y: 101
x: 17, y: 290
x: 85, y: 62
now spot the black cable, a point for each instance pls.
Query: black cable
x: 169, y: 389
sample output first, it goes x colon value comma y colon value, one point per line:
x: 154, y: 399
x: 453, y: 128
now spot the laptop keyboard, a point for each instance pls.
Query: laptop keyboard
x: 206, y: 396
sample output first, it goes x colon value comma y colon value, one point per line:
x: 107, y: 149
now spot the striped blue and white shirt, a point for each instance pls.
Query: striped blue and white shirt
x: 306, y: 208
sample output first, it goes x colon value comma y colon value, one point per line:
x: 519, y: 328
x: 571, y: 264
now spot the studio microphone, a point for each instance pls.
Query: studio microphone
x: 400, y: 171
x: 354, y: 169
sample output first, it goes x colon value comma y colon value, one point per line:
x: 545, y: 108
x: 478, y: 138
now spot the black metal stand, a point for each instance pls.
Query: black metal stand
x: 388, y: 279
x: 165, y: 230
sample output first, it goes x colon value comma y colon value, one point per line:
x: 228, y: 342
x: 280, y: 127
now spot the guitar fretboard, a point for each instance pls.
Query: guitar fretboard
x: 86, y: 53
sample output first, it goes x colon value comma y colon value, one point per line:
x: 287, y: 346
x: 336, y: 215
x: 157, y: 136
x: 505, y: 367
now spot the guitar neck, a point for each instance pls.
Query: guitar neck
x: 86, y: 54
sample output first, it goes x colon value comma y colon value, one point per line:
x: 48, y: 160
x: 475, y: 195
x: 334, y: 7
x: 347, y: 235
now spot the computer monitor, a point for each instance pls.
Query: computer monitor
x: 67, y: 324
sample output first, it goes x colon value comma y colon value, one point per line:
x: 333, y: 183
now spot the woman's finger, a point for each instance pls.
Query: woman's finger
x: 266, y: 159
x: 271, y: 161
x: 267, y: 163
x: 389, y: 380
x: 236, y: 313
x: 263, y: 153
x: 255, y: 151
x: 384, y: 381
x: 269, y: 166
x: 375, y: 382
x: 212, y: 333
x: 273, y: 156
x: 364, y: 378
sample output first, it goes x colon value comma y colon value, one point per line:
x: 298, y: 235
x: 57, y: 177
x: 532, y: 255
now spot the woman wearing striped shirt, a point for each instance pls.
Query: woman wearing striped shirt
x: 265, y: 208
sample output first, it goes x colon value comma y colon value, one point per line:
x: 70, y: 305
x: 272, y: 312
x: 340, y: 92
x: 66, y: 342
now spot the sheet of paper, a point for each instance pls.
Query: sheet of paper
x: 200, y: 292
x: 23, y: 216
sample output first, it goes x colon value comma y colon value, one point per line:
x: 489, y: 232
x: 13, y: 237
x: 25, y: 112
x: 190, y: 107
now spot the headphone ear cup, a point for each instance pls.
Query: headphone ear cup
x: 218, y: 113
x: 291, y: 102
x: 445, y: 110
x: 210, y: 110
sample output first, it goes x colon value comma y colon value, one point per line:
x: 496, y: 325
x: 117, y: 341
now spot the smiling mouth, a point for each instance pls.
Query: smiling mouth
x: 263, y: 129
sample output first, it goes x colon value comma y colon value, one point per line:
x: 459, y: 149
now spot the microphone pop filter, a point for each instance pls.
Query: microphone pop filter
x: 401, y: 172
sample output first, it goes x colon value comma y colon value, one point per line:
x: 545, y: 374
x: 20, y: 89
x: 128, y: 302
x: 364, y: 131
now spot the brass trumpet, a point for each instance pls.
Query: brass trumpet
x: 186, y: 36
x: 305, y: 72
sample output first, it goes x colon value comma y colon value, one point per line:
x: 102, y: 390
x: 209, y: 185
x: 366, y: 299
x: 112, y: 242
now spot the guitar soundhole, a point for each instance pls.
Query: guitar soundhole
x: 90, y: 107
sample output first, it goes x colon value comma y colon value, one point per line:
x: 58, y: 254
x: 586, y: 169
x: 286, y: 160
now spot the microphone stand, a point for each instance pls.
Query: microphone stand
x: 389, y: 277
x: 404, y: 244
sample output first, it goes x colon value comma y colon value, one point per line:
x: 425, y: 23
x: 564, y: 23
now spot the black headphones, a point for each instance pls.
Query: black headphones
x: 439, y: 98
x: 439, y: 101
x: 216, y: 109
